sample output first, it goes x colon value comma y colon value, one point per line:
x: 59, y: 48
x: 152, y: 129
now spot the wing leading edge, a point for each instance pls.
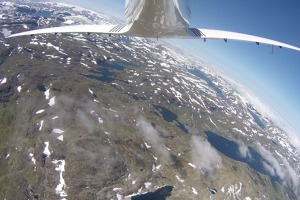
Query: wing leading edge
x: 100, y: 29
x: 195, y: 33
x: 227, y: 35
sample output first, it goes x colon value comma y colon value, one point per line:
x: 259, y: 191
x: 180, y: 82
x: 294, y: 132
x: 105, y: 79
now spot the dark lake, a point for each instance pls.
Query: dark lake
x: 108, y: 71
x: 101, y: 74
x: 203, y: 76
x: 41, y: 88
x: 112, y: 65
x: 45, y: 14
x: 257, y: 119
x: 231, y: 149
x: 159, y: 194
x: 169, y: 116
x: 34, y: 12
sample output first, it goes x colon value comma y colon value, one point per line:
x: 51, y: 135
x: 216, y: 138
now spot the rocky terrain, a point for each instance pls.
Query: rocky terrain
x: 98, y: 117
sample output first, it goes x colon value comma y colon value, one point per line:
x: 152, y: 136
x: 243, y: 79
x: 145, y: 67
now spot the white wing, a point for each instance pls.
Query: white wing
x: 104, y: 29
x: 123, y: 29
x: 226, y: 35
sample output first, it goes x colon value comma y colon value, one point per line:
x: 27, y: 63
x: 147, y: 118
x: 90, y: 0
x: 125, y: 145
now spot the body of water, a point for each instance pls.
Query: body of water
x: 41, y: 88
x: 231, y: 149
x: 116, y: 66
x: 203, y: 76
x: 46, y: 14
x: 34, y: 12
x: 169, y: 116
x: 159, y: 194
x: 108, y: 71
x: 257, y: 119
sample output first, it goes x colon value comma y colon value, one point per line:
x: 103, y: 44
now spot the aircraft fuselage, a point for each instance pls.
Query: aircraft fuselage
x: 159, y: 18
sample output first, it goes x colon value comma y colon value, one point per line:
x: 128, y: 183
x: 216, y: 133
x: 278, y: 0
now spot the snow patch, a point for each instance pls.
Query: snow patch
x: 3, y: 81
x: 117, y: 189
x: 212, y: 121
x: 164, y: 65
x: 19, y: 88
x: 100, y: 120
x: 147, y: 185
x: 119, y: 197
x: 41, y: 125
x: 59, y: 131
x: 223, y: 189
x: 153, y: 168
x: 33, y: 160
x: 239, y: 131
x: 147, y: 146
x: 194, y: 191
x: 40, y: 111
x: 52, y: 101
x: 69, y: 22
x: 167, y: 148
x: 178, y: 178
x: 46, y: 150
x: 47, y: 93
x: 192, y: 165
x: 60, y: 167
x: 155, y: 158
x: 176, y: 80
x: 61, y: 138
x: 234, y: 191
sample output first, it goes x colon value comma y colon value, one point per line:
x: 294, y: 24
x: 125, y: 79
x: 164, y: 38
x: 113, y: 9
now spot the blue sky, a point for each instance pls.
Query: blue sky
x: 273, y: 77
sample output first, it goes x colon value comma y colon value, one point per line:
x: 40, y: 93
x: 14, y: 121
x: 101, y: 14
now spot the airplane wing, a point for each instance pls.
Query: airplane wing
x: 101, y: 29
x: 226, y: 35
x: 195, y: 33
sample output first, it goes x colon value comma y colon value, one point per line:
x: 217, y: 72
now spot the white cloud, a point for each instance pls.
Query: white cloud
x: 85, y: 120
x: 151, y: 135
x: 273, y: 166
x: 204, y: 156
x: 243, y: 150
x: 284, y: 171
x: 270, y: 169
x: 291, y: 175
